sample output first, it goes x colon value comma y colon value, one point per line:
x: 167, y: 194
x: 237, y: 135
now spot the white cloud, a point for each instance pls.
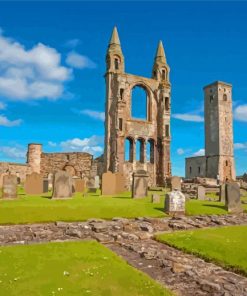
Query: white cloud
x: 240, y: 113
x: 78, y: 61
x: 52, y: 144
x: 93, y: 145
x: 73, y: 42
x: 13, y: 152
x: 94, y: 114
x: 2, y: 106
x: 4, y: 121
x: 180, y: 151
x: 30, y: 73
x: 200, y: 152
x: 239, y: 146
x: 188, y: 117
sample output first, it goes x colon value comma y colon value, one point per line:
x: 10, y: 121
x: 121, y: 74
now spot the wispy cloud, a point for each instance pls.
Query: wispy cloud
x: 93, y: 114
x: 188, y: 117
x: 2, y: 106
x: 79, y: 61
x: 4, y: 121
x: 200, y: 152
x: 13, y: 153
x: 28, y: 74
x: 240, y: 113
x: 72, y: 43
x: 240, y: 146
x: 52, y: 144
x: 93, y: 145
x: 180, y: 151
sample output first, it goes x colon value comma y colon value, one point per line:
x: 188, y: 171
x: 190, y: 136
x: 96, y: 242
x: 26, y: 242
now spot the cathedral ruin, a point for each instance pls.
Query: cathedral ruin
x: 148, y: 136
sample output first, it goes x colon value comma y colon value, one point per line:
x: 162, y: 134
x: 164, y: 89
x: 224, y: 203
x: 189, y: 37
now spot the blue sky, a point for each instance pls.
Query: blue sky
x: 60, y: 102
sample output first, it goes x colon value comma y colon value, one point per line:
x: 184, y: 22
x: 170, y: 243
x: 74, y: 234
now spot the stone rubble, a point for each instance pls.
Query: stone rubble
x: 133, y: 240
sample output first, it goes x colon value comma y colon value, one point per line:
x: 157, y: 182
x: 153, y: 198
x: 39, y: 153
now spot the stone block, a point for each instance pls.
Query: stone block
x: 9, y: 188
x: 175, y: 203
x: 233, y: 201
x: 140, y: 184
x: 176, y: 183
x: 34, y: 184
x: 201, y: 193
x: 62, y: 185
x: 155, y: 198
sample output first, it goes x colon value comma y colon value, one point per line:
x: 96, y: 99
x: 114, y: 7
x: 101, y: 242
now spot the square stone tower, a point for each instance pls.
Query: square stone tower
x: 219, y: 131
x: 148, y: 139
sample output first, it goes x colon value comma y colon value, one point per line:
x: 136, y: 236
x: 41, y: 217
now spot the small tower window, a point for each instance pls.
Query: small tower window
x: 167, y: 130
x: 121, y: 93
x: 224, y: 97
x: 154, y: 73
x: 163, y: 74
x: 211, y: 98
x: 190, y: 170
x: 116, y: 63
x: 226, y: 163
x: 199, y: 170
x: 120, y: 124
x: 167, y: 103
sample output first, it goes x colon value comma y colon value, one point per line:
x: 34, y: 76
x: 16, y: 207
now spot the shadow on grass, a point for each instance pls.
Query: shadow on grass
x: 160, y: 209
x: 123, y: 197
x: 45, y: 196
x: 215, y: 206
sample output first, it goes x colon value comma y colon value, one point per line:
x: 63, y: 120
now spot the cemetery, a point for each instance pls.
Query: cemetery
x: 123, y: 223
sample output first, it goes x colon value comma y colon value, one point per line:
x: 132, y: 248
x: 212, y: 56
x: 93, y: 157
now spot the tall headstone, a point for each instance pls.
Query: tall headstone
x: 201, y: 193
x: 140, y: 184
x: 223, y: 193
x: 155, y: 198
x: 175, y: 183
x: 96, y: 182
x: 233, y: 201
x: 79, y: 185
x: 175, y: 203
x: 62, y: 185
x: 9, y: 186
x: 34, y: 184
x: 112, y: 183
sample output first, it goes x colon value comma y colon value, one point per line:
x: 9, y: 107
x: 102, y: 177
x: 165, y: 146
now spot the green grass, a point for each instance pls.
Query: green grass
x: 225, y: 246
x: 34, y: 209
x: 71, y: 268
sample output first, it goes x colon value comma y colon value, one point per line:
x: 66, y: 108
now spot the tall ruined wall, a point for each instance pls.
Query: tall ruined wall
x: 76, y: 163
x: 18, y: 169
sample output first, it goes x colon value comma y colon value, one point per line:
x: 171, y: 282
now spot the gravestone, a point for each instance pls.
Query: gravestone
x: 91, y: 182
x: 62, y: 185
x: 155, y: 198
x: 34, y: 184
x: 233, y: 201
x: 175, y: 183
x: 1, y: 179
x: 79, y: 185
x: 222, y: 193
x: 96, y: 182
x: 50, y: 181
x: 175, y: 203
x: 201, y: 193
x: 140, y: 184
x: 45, y: 185
x: 9, y: 186
x: 108, y: 185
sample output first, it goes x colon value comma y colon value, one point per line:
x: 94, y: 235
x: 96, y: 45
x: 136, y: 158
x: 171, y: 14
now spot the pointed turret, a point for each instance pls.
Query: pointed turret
x: 160, y: 53
x: 114, y: 37
x: 114, y: 56
x: 160, y: 69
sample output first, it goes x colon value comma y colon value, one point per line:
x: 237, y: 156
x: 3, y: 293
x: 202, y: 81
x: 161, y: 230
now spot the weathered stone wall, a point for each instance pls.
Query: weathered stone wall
x: 195, y: 167
x: 18, y: 169
x: 76, y: 163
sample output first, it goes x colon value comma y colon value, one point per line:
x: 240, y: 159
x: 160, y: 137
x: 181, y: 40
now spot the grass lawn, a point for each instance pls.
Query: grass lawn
x: 224, y: 245
x: 70, y: 268
x: 31, y: 209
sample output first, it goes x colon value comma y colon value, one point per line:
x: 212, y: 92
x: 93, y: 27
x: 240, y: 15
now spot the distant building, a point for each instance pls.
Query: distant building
x: 218, y: 161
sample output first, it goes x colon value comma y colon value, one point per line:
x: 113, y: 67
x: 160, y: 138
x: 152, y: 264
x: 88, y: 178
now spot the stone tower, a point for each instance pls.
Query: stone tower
x: 219, y: 131
x: 34, y: 157
x: 121, y: 127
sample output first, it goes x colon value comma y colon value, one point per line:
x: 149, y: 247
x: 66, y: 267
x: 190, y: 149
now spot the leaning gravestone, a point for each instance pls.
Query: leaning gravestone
x: 34, y: 184
x: 175, y: 203
x: 140, y: 184
x: 201, y: 193
x: 223, y: 193
x: 175, y: 183
x: 9, y: 186
x: 233, y: 201
x: 155, y: 198
x: 62, y: 185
